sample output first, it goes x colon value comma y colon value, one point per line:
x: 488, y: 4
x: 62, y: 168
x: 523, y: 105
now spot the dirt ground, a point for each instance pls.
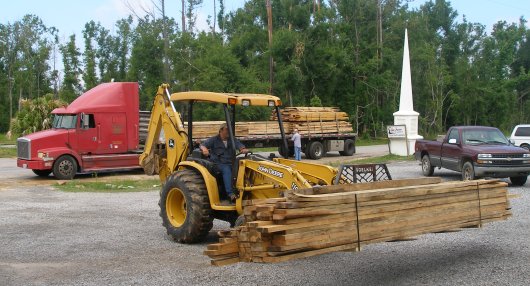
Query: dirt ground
x: 50, y: 237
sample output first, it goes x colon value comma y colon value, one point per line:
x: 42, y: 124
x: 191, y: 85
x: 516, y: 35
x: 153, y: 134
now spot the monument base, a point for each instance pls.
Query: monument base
x: 402, y: 146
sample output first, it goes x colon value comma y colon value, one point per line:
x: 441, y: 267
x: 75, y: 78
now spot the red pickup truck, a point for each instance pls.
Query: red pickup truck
x: 475, y: 151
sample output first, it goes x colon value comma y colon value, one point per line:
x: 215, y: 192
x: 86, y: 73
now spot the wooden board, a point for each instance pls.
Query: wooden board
x: 346, y: 217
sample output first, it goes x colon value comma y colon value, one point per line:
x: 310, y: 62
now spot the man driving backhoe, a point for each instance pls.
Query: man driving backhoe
x: 219, y: 149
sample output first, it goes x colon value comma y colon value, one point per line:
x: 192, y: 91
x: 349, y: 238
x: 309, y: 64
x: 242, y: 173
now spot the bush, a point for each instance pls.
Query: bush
x: 315, y: 101
x: 35, y: 115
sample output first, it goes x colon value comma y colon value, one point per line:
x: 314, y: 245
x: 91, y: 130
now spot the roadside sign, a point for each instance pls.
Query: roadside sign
x: 396, y: 131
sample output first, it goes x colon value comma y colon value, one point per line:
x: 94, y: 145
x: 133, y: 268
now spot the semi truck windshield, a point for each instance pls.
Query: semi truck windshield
x: 64, y: 121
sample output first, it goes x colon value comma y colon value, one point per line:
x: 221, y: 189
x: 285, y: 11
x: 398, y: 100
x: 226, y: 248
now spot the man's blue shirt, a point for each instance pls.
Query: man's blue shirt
x: 218, y: 152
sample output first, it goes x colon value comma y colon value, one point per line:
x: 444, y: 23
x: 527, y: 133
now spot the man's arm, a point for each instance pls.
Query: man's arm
x: 208, y: 144
x: 241, y: 147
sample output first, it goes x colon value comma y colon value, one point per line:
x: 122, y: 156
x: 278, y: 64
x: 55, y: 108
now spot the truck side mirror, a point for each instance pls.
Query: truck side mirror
x: 85, y: 121
x: 452, y: 141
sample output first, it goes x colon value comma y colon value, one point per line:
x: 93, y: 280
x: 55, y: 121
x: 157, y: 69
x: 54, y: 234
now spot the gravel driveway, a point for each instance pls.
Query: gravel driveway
x: 48, y: 237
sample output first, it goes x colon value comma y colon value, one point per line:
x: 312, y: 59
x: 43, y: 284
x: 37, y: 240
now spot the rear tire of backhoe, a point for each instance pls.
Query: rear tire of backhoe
x: 185, y: 207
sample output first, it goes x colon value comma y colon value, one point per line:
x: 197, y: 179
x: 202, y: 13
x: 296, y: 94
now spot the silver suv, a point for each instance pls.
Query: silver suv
x: 521, y: 136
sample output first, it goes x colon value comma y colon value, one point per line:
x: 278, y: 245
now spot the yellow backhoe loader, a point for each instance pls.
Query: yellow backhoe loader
x: 192, y: 188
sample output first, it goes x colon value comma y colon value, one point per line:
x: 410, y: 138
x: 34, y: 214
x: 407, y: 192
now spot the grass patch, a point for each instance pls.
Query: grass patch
x: 264, y: 149
x: 375, y: 160
x: 5, y: 141
x: 111, y: 186
x: 371, y: 141
x: 8, y: 152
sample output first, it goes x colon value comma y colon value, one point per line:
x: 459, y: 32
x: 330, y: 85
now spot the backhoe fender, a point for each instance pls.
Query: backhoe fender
x: 211, y: 185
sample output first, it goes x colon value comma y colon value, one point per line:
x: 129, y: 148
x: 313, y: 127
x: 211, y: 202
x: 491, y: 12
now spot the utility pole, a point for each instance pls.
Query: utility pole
x: 379, y: 31
x: 166, y: 41
x: 271, y: 62
x: 11, y: 97
x: 183, y: 17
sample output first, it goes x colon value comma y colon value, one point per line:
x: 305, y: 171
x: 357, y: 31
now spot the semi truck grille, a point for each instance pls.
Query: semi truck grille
x: 24, y: 148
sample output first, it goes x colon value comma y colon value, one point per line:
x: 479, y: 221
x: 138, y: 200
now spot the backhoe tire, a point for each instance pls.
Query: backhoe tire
x: 349, y: 148
x: 316, y: 150
x: 42, y: 173
x: 65, y: 167
x: 519, y: 180
x: 185, y: 207
x: 426, y: 167
x: 468, y: 171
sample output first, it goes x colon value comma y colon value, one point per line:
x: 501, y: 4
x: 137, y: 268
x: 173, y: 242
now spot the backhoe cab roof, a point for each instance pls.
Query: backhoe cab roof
x: 228, y: 98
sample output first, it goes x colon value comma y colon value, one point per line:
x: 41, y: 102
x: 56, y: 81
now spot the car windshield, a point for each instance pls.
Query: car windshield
x: 484, y: 136
x: 64, y: 121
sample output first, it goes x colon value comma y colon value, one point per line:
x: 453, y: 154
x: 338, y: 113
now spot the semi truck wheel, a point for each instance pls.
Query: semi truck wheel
x: 42, y: 173
x: 185, y: 207
x: 349, y: 148
x: 468, y: 171
x: 316, y: 150
x: 518, y: 181
x: 65, y: 167
x: 426, y: 167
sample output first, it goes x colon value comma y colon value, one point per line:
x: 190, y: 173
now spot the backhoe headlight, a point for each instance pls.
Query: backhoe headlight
x: 245, y: 102
x: 271, y: 103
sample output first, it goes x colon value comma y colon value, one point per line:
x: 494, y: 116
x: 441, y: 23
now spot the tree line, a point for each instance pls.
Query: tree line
x: 345, y: 53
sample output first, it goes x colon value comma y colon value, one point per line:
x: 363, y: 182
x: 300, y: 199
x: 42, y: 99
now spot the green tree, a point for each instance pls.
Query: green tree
x: 89, y: 55
x: 35, y: 115
x: 71, y: 87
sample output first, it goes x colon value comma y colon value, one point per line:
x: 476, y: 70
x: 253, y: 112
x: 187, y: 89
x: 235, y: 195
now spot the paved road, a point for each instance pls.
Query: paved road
x: 48, y: 237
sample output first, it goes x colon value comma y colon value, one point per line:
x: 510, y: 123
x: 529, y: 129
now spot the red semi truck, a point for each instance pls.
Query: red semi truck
x: 97, y: 131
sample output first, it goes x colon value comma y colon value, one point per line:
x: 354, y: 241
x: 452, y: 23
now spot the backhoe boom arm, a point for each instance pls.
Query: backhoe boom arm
x: 164, y: 116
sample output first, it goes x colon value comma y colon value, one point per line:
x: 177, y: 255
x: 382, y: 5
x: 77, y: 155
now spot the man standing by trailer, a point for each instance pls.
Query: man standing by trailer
x: 296, y: 138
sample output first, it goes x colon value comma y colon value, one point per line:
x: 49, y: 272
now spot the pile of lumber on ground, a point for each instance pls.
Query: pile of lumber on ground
x: 326, y: 219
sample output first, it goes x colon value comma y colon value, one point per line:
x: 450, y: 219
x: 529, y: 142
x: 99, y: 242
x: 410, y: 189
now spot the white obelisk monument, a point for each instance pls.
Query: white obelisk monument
x: 406, y: 114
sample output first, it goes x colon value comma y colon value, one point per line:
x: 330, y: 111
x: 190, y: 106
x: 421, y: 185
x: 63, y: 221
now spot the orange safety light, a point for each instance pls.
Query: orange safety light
x: 232, y: 101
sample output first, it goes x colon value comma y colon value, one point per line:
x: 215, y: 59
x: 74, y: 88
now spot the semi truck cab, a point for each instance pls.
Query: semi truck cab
x: 97, y: 131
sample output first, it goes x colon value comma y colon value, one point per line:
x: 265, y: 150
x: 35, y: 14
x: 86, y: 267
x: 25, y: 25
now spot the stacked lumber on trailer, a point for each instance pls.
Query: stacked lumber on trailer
x: 315, y: 120
x: 304, y: 114
x: 206, y: 129
x: 310, y: 121
x: 346, y: 217
x: 317, y: 127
